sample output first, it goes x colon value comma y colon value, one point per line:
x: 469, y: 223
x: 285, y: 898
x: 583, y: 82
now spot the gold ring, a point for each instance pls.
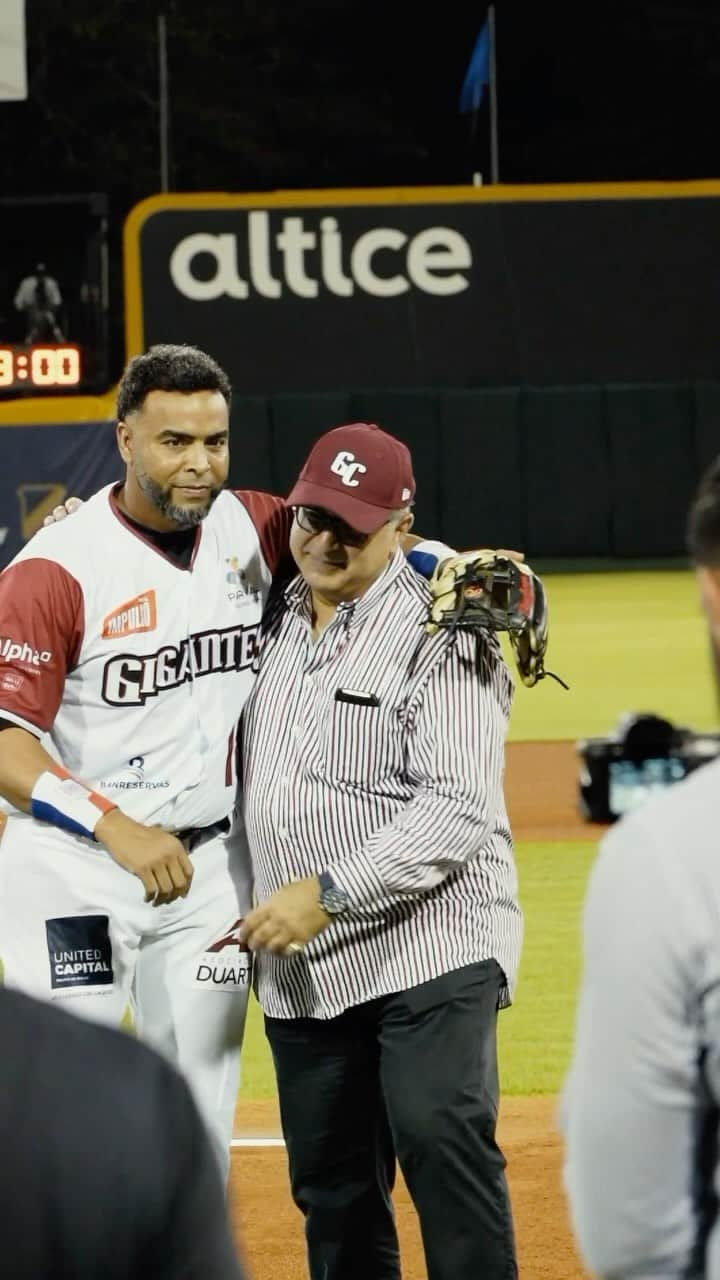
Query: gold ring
x: 293, y: 947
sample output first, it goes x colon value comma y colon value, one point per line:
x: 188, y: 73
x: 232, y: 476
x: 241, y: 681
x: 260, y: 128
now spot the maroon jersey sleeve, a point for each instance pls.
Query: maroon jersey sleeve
x: 42, y: 621
x: 273, y: 521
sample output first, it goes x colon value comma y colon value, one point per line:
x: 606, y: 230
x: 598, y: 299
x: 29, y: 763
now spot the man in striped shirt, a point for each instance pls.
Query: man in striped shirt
x: 388, y: 931
x: 641, y: 1106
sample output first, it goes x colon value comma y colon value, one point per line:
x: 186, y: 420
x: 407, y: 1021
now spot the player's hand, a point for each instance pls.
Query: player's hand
x: 289, y: 919
x: 65, y: 508
x: 155, y: 856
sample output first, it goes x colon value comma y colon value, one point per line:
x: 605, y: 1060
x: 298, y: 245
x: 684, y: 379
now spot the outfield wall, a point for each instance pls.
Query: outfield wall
x: 551, y: 354
x: 603, y: 471
x: 599, y: 471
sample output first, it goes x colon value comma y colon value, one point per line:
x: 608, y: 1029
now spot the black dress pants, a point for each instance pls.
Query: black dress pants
x: 412, y: 1075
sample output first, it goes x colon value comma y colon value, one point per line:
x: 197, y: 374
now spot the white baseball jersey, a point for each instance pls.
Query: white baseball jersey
x: 137, y: 669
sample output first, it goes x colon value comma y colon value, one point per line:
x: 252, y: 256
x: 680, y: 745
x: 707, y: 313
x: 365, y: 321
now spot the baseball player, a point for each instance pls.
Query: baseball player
x: 128, y: 636
x: 128, y: 641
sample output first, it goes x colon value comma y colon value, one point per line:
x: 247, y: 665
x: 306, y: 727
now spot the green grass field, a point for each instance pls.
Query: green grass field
x: 623, y: 642
x: 633, y: 641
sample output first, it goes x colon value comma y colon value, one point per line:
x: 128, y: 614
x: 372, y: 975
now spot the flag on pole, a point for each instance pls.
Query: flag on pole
x: 477, y: 75
x: 13, y: 59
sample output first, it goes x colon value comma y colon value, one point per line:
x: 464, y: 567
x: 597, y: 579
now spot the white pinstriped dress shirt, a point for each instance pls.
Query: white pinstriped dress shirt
x: 377, y: 753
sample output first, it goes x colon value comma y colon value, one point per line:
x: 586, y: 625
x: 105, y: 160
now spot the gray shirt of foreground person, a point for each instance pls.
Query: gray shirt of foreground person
x: 641, y: 1103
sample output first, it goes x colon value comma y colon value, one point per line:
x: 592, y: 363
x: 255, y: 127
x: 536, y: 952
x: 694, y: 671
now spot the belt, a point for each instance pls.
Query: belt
x: 193, y: 837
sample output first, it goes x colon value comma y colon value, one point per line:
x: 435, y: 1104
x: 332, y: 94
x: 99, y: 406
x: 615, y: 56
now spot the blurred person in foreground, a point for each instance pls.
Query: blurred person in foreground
x: 642, y: 1100
x: 106, y: 1168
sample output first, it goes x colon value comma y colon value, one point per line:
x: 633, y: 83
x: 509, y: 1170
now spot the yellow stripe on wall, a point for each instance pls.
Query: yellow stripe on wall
x: 54, y: 410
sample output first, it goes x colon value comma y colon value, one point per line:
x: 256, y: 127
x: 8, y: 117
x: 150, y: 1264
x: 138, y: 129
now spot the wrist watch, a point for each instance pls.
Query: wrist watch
x: 333, y: 899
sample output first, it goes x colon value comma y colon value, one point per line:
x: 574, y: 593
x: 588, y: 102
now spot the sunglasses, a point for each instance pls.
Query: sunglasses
x: 317, y: 520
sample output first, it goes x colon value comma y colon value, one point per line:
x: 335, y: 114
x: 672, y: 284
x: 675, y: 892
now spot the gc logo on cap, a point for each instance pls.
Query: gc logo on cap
x: 345, y: 466
x: 357, y: 472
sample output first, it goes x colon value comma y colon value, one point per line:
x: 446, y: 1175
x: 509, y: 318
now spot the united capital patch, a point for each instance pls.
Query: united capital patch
x: 79, y: 953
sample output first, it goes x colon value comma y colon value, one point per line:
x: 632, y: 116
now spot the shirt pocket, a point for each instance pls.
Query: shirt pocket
x: 362, y: 745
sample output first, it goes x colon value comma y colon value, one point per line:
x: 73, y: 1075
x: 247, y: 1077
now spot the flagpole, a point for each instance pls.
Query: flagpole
x: 163, y: 102
x: 494, y: 151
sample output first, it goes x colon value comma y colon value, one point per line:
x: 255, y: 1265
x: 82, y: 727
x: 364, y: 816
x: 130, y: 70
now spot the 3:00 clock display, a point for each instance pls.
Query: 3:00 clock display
x: 40, y: 366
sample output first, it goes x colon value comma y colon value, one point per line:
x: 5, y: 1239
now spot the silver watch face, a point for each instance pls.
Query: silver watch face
x: 333, y: 901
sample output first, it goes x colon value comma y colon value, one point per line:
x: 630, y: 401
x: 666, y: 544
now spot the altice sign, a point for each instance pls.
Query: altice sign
x: 305, y: 258
x: 316, y: 295
x: 432, y: 288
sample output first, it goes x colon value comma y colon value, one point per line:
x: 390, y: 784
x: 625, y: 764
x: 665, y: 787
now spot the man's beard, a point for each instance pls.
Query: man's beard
x: 181, y: 517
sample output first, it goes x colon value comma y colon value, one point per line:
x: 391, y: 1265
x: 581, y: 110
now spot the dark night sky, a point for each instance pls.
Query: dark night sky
x: 333, y: 93
x: 338, y: 92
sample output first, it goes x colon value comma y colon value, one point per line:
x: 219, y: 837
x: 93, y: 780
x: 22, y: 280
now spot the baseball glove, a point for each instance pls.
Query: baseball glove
x: 486, y: 590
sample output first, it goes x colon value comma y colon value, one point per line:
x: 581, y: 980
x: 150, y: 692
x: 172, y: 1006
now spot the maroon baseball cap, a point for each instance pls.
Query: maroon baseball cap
x: 357, y: 472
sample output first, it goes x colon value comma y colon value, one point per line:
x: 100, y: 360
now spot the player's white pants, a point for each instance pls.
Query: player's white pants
x: 74, y: 928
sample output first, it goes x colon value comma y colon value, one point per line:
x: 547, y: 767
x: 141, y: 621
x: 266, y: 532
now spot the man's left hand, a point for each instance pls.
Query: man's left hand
x: 289, y: 918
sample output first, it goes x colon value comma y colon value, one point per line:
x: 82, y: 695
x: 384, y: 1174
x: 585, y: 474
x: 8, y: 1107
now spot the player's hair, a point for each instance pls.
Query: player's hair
x: 167, y: 367
x: 703, y: 532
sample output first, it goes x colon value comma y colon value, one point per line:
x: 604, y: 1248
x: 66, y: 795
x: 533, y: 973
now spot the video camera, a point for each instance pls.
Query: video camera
x: 644, y: 755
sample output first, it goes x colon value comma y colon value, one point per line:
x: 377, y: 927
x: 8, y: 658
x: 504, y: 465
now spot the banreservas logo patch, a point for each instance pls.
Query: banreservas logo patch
x: 131, y: 776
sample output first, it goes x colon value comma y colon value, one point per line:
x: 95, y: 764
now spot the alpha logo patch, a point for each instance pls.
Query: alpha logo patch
x: 226, y: 963
x: 79, y: 953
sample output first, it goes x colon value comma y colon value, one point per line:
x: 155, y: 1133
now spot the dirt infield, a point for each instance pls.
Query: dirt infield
x: 541, y: 786
x: 541, y: 789
x: 269, y: 1227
